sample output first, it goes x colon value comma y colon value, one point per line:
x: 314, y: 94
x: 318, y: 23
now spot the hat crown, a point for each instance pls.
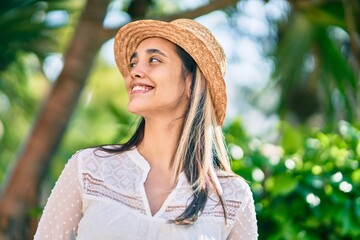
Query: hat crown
x: 207, y: 38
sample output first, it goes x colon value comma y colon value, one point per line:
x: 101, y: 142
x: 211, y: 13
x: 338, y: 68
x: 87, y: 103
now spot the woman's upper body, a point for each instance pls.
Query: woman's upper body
x: 102, y: 196
x: 185, y: 188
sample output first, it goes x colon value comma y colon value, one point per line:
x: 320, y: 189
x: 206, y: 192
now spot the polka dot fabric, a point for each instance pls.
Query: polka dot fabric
x: 62, y: 213
x: 245, y: 224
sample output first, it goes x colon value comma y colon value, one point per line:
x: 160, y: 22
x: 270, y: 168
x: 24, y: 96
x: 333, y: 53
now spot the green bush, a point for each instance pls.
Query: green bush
x: 305, y: 188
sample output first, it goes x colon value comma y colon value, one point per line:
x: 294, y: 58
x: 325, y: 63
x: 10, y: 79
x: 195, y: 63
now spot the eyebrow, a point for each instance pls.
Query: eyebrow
x: 148, y: 51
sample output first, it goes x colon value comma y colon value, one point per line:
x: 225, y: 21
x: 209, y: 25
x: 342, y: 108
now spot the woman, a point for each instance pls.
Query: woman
x: 172, y: 179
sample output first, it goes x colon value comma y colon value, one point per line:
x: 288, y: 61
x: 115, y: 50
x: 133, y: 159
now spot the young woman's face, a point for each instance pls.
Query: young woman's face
x: 156, y: 85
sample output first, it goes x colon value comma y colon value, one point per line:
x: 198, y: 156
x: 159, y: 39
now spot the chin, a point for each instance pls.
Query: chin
x: 137, y: 110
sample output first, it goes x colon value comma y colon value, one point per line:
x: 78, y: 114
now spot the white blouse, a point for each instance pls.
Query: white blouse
x: 102, y: 196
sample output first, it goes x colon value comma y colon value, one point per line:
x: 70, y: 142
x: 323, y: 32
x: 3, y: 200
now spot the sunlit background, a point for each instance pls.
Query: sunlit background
x: 246, y: 40
x: 292, y: 123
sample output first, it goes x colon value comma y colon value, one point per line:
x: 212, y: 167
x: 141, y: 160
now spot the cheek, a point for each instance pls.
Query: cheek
x: 174, y: 92
x: 175, y: 80
x: 175, y: 85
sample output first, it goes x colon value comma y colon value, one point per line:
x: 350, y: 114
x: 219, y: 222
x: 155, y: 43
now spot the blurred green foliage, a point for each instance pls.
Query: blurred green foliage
x: 101, y: 117
x: 308, y: 187
x: 317, y: 61
x: 30, y: 26
x: 28, y: 35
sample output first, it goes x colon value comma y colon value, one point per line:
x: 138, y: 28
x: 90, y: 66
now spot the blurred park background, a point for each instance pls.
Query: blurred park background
x: 292, y: 128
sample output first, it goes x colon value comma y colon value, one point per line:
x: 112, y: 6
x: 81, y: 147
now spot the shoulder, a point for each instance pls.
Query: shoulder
x: 100, y: 164
x: 97, y: 154
x: 235, y: 190
x: 235, y: 193
x: 233, y: 186
x: 95, y: 160
x: 89, y: 157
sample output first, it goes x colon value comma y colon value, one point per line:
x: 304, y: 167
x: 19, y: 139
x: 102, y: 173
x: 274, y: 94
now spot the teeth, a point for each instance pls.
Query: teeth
x: 139, y: 88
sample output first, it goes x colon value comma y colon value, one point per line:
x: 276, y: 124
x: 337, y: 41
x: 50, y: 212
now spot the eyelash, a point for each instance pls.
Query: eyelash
x: 133, y: 64
x: 152, y: 58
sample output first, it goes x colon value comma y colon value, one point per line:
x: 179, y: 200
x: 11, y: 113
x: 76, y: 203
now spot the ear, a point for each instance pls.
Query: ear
x: 188, y: 79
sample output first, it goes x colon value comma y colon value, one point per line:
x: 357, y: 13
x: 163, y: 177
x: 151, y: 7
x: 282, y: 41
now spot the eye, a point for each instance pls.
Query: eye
x: 152, y: 59
x: 131, y: 65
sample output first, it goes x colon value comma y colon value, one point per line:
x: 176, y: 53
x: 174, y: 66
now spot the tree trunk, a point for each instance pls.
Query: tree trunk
x: 20, y: 193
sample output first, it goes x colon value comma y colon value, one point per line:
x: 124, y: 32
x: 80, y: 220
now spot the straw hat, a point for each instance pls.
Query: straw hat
x: 193, y: 37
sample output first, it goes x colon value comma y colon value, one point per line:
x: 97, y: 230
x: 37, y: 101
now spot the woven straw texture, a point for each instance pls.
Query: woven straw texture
x: 193, y: 37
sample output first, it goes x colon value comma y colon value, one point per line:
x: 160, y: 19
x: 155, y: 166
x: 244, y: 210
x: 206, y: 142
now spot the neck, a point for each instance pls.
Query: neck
x: 160, y: 143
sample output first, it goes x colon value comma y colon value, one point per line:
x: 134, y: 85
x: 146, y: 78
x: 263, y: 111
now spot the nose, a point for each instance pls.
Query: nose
x: 137, y: 71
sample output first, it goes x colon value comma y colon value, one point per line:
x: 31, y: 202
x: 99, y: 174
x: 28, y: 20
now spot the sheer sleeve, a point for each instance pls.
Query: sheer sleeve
x: 245, y: 224
x: 62, y: 212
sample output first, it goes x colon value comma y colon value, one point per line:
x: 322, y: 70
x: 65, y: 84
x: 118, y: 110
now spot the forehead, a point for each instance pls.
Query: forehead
x: 155, y: 42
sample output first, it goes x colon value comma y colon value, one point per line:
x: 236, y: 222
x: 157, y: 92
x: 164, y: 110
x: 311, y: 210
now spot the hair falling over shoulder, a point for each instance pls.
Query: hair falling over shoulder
x: 201, y: 150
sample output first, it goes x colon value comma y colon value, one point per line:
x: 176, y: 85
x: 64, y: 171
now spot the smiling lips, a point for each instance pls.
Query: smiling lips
x: 141, y: 89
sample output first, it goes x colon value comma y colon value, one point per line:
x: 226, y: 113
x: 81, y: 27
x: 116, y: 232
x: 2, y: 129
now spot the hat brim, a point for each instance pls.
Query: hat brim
x: 129, y: 37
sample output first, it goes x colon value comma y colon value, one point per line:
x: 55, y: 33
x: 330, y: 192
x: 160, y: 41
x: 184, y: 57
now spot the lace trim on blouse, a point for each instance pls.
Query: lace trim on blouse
x: 97, y: 188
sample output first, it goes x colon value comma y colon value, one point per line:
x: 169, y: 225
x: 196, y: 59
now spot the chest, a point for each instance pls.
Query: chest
x: 106, y: 221
x: 158, y: 186
x: 117, y: 212
x: 121, y: 186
